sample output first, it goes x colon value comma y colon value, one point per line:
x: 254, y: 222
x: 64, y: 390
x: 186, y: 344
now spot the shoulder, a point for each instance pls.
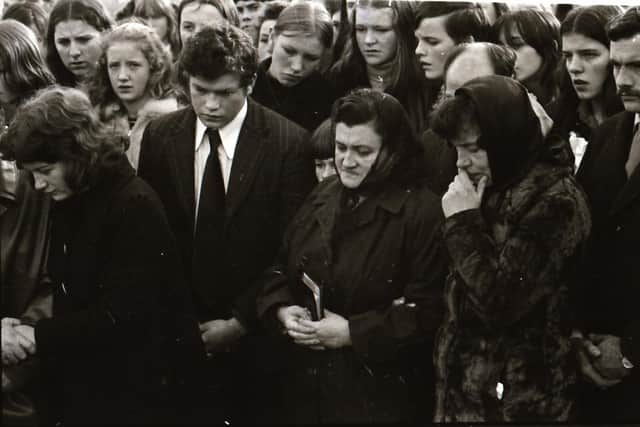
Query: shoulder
x: 158, y: 107
x: 165, y: 125
x: 620, y: 122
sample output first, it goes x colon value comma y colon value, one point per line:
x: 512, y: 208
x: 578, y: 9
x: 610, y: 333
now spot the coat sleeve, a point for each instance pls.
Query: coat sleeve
x: 378, y: 335
x: 504, y: 283
x: 297, y: 181
x: 134, y: 285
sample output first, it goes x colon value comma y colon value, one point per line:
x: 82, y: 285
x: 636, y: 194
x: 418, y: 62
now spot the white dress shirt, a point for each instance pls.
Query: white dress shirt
x: 229, y: 137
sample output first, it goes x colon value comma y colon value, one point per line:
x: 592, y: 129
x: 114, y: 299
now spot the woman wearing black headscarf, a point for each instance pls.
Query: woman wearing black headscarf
x: 515, y: 223
x: 367, y: 239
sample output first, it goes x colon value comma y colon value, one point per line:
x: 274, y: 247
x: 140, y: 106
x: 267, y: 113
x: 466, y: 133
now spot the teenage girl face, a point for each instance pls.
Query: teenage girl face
x: 295, y: 56
x: 128, y: 70
x: 528, y: 61
x: 377, y: 41
x: 587, y: 62
x: 78, y: 45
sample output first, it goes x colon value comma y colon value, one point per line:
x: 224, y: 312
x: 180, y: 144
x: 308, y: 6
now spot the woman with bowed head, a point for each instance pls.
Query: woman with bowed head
x: 535, y: 36
x: 357, y: 289
x: 289, y: 82
x: 516, y: 222
x: 588, y: 91
x: 73, y: 39
x: 123, y: 345
x: 132, y: 82
x: 23, y: 231
x: 382, y: 57
x: 159, y: 15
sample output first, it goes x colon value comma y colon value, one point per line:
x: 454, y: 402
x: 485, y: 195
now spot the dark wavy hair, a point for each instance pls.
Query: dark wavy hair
x: 214, y: 51
x: 156, y: 53
x: 91, y: 12
x: 30, y: 14
x: 463, y: 19
x: 541, y: 30
x: 625, y: 25
x: 400, y: 152
x: 408, y: 83
x: 591, y: 22
x: 59, y: 125
x: 21, y: 61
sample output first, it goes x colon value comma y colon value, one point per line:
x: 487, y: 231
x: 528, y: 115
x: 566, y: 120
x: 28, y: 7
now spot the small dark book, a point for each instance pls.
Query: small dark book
x: 315, y: 292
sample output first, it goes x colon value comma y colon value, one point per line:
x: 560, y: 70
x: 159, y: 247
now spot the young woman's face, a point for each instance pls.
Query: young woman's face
x: 528, y: 60
x: 587, y: 62
x: 433, y: 45
x: 295, y: 56
x: 375, y: 36
x: 128, y: 70
x: 49, y: 178
x: 78, y: 45
x: 196, y: 15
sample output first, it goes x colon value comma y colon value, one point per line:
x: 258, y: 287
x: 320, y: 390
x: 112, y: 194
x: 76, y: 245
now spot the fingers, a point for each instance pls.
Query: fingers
x: 463, y: 178
x: 10, y: 321
x: 299, y: 327
x: 25, y: 343
x: 591, y: 374
x: 597, y: 338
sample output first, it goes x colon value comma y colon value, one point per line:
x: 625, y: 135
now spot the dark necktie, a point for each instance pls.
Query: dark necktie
x: 210, y: 219
x: 634, y: 153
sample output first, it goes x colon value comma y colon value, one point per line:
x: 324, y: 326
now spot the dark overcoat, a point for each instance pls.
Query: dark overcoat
x: 389, y: 250
x: 123, y: 335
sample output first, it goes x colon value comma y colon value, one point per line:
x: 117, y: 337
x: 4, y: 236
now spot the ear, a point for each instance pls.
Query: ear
x: 251, y: 84
x: 468, y: 39
x: 555, y: 45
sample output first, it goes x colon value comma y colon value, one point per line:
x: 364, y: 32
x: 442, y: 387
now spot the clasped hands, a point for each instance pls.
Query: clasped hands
x: 600, y: 359
x: 331, y: 332
x: 18, y: 341
x: 219, y: 334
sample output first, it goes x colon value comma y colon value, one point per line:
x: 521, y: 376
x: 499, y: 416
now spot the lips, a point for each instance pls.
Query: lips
x: 78, y: 64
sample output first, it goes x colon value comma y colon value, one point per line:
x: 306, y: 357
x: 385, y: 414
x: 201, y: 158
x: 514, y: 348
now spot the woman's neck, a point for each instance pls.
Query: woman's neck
x: 597, y: 108
x: 134, y: 107
x: 379, y: 76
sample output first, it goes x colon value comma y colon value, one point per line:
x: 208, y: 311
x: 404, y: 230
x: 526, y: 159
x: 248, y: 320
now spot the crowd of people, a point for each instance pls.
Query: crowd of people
x: 319, y: 212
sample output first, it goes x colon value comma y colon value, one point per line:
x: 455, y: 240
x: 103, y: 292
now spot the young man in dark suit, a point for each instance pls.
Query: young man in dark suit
x: 609, y: 292
x: 231, y: 174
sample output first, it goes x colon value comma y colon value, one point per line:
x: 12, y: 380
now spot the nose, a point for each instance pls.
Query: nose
x: 348, y: 161
x: 369, y: 37
x: 38, y: 182
x: 622, y: 77
x: 296, y: 64
x: 463, y: 161
x: 123, y: 75
x: 574, y: 65
x: 420, y: 51
x: 212, y: 102
x: 74, y: 49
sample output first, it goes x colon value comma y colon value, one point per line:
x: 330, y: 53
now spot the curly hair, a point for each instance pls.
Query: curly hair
x: 213, y: 52
x: 89, y: 11
x: 24, y: 70
x: 59, y: 125
x: 155, y: 52
x: 149, y: 9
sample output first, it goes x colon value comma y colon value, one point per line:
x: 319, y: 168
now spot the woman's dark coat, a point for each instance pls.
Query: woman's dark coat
x: 390, y: 250
x: 123, y: 336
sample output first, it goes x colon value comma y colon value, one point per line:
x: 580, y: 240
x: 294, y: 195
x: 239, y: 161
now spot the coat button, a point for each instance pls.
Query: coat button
x: 619, y: 228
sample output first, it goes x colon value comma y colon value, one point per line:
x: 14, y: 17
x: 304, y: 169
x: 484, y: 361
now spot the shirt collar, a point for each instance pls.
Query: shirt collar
x: 228, y: 133
x: 636, y: 121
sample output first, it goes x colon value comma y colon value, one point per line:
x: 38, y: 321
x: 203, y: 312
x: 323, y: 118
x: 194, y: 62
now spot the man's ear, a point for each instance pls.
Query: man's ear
x: 251, y: 84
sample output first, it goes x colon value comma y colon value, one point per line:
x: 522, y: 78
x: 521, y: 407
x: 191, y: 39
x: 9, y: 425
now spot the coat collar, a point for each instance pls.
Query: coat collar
x: 327, y: 202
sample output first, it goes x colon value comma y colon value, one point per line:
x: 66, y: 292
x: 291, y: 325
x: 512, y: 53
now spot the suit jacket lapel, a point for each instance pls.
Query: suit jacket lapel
x: 249, y: 152
x: 183, y: 144
x: 631, y: 189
